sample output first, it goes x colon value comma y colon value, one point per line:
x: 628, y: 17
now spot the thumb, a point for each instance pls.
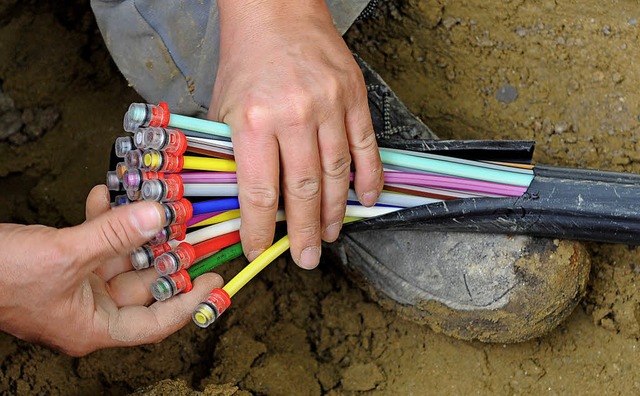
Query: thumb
x: 114, y: 233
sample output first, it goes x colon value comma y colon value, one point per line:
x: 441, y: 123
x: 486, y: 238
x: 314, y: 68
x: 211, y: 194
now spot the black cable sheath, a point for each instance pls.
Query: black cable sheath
x: 560, y: 203
x: 519, y: 151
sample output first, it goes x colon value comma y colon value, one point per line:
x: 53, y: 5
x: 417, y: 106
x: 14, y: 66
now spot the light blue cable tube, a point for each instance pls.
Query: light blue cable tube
x: 199, y: 125
x: 454, y: 169
x: 145, y: 114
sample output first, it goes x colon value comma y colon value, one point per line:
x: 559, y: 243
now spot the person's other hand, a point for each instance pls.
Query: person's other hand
x: 74, y: 288
x: 296, y: 102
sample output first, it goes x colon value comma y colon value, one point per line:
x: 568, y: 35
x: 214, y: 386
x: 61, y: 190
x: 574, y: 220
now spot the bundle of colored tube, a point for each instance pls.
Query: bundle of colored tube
x: 198, y: 193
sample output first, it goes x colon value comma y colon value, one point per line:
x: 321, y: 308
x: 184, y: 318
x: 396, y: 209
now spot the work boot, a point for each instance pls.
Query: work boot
x: 487, y: 287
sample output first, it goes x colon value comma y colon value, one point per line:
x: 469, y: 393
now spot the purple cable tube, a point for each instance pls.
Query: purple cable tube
x: 454, y: 183
x: 201, y: 217
x: 415, y: 179
x: 208, y: 177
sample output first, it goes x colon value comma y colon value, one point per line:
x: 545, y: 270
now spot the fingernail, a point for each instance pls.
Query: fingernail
x: 147, y: 219
x: 310, y: 257
x: 331, y: 233
x: 369, y: 198
x: 252, y: 255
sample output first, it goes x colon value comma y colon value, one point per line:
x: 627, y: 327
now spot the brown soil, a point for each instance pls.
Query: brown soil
x: 456, y: 64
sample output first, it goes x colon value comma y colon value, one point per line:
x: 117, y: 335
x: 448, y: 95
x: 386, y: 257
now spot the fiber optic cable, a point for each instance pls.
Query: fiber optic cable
x: 454, y: 169
x: 208, y: 164
x: 216, y: 205
x: 200, y: 218
x: 185, y: 254
x: 145, y: 115
x: 220, y: 298
x: 168, y: 286
x: 218, y: 218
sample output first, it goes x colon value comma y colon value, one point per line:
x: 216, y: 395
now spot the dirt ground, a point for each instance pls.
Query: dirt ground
x: 561, y: 74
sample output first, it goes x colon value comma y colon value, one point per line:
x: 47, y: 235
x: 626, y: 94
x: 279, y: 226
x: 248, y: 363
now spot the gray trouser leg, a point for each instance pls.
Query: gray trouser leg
x: 168, y: 50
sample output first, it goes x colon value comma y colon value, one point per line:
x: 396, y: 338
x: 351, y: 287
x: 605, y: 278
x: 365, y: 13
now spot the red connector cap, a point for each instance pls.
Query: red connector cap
x: 178, y: 212
x: 157, y: 161
x: 144, y: 256
x: 182, y: 281
x: 186, y: 253
x: 175, y: 231
x: 170, y: 189
x: 160, y: 115
x: 177, y: 143
x: 182, y: 257
x: 219, y: 299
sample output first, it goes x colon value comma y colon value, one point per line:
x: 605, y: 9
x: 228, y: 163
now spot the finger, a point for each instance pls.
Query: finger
x: 113, y: 267
x: 132, y: 287
x: 136, y: 325
x: 97, y: 201
x: 369, y: 178
x: 301, y: 189
x: 336, y: 164
x: 256, y: 154
x: 113, y: 234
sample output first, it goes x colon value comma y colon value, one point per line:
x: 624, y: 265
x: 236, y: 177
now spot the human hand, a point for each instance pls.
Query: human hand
x: 74, y: 288
x: 296, y: 102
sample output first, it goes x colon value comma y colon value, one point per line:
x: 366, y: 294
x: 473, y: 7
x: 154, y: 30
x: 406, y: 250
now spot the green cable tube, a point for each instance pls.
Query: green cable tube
x: 207, y: 265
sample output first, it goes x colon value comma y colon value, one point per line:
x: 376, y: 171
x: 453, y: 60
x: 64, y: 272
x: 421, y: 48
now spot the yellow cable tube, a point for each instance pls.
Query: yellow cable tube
x: 208, y: 164
x: 220, y: 299
x: 257, y: 265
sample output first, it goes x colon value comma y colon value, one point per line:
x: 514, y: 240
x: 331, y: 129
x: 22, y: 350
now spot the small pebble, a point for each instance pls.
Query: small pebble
x: 506, y: 93
x: 521, y: 31
x: 10, y: 124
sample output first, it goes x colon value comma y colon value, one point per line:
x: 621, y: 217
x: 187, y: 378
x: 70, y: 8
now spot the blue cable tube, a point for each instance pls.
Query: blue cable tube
x: 454, y: 169
x: 215, y: 205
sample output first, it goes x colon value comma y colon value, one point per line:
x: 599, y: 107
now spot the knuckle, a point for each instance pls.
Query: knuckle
x: 115, y: 234
x: 338, y: 166
x: 334, y: 86
x: 257, y: 116
x: 263, y: 196
x: 366, y: 141
x: 296, y: 117
x: 303, y: 189
x: 308, y: 231
x: 255, y: 239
